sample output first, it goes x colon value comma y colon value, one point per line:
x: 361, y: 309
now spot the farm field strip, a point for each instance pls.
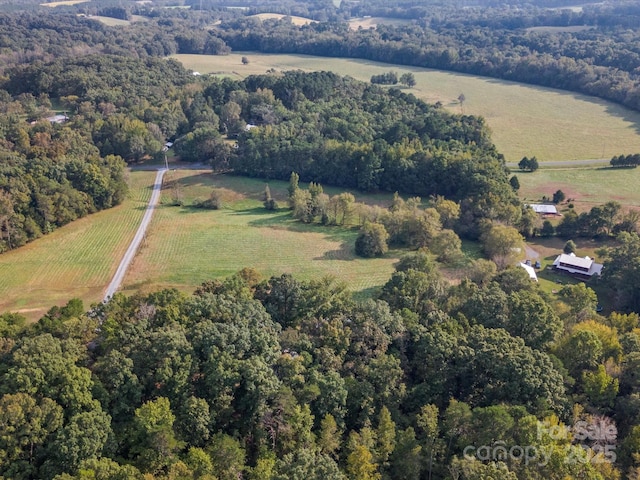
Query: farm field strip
x: 76, y: 260
x: 525, y: 120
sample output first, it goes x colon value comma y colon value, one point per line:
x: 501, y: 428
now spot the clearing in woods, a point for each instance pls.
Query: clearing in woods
x: 294, y: 19
x: 525, y: 120
x: 186, y: 246
x: 63, y: 3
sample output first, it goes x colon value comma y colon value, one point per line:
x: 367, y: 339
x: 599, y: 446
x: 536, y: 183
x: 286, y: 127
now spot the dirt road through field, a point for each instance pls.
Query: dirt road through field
x: 116, y: 281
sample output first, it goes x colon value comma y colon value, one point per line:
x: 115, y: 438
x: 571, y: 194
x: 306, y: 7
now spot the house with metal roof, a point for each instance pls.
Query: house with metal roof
x: 543, y: 208
x: 582, y: 266
x: 530, y: 270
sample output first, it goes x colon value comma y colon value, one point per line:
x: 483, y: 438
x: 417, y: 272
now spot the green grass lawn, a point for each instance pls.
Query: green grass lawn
x: 551, y: 281
x: 77, y: 260
x: 525, y: 120
x: 186, y: 246
x: 585, y: 186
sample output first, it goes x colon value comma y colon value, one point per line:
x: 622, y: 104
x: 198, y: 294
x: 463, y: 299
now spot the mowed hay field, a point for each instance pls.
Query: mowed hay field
x: 117, y: 22
x: 585, y: 186
x: 77, y: 260
x: 186, y: 246
x: 294, y: 19
x: 372, y: 22
x: 63, y: 3
x: 525, y: 120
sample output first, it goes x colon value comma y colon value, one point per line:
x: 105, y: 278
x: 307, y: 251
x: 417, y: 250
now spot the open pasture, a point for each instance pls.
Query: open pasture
x: 77, y: 260
x: 117, y: 22
x: 278, y: 16
x: 373, y: 22
x: 585, y: 187
x: 525, y: 120
x: 186, y: 246
x: 63, y: 3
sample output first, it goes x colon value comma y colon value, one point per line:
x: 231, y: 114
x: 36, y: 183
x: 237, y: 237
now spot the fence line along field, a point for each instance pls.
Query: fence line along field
x: 525, y: 120
x: 186, y: 246
x: 76, y: 260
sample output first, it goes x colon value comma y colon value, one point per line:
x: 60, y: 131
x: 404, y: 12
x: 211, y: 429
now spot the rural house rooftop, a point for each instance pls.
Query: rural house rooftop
x: 544, y: 208
x: 572, y: 264
x: 530, y: 270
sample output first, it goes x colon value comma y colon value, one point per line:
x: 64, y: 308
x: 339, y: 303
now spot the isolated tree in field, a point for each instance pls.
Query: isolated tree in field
x: 294, y: 181
x: 461, y: 98
x: 569, y: 247
x: 408, y: 79
x: 503, y: 244
x: 245, y: 61
x: 214, y: 202
x: 558, y: 197
x: 528, y: 164
x: 515, y: 183
x: 268, y: 201
x: 372, y: 240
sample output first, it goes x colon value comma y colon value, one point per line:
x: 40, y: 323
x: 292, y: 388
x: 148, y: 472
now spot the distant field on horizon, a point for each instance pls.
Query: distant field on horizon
x: 63, y: 3
x: 77, y: 260
x: 116, y: 22
x: 525, y: 120
x: 372, y: 22
x: 294, y: 19
x: 186, y: 246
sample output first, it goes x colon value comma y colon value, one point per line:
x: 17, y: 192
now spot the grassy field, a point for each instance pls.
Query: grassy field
x: 77, y: 260
x: 63, y: 3
x: 569, y: 29
x: 525, y: 120
x: 186, y: 246
x: 585, y: 186
x: 117, y: 22
x: 372, y: 22
x: 295, y: 20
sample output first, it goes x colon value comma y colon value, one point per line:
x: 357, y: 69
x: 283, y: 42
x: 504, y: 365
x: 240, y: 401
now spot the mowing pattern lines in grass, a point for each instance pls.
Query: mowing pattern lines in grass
x: 185, y: 247
x: 76, y: 260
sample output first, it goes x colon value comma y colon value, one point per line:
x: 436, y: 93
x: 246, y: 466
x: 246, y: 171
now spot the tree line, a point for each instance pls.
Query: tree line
x: 279, y: 378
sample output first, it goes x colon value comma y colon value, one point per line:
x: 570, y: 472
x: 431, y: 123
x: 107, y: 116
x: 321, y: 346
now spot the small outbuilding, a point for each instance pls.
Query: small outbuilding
x: 544, y: 209
x: 530, y: 270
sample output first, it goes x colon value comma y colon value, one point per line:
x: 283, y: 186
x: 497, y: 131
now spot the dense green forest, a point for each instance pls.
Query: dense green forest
x: 285, y: 379
x: 487, y: 377
x: 598, y: 56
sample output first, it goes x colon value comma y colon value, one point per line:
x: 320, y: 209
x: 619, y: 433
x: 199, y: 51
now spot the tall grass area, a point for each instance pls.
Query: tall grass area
x: 525, y: 120
x: 77, y: 260
x: 186, y: 246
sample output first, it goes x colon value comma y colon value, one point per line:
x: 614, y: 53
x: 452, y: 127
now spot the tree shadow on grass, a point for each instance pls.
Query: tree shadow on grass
x: 344, y: 253
x: 366, y: 293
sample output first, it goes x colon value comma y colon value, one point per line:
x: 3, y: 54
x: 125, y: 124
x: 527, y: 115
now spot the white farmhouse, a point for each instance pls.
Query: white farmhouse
x: 582, y: 266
